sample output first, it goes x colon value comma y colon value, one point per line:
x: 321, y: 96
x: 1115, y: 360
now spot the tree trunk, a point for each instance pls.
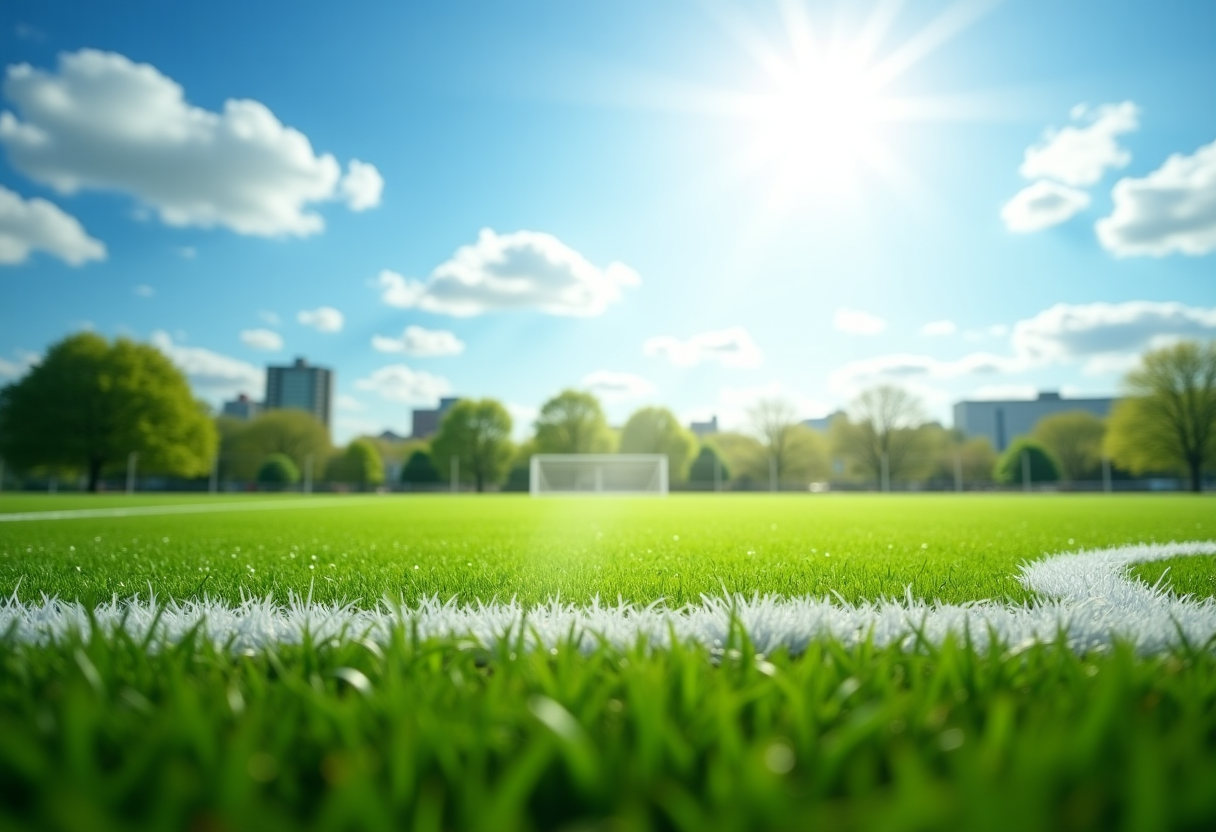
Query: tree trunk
x: 1196, y: 467
x: 481, y: 482
x: 94, y: 474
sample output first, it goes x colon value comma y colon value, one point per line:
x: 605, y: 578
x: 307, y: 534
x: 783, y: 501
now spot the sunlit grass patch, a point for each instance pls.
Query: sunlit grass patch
x: 1194, y: 576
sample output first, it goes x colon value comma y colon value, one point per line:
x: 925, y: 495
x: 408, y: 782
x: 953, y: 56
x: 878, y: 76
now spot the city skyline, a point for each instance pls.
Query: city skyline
x: 694, y: 205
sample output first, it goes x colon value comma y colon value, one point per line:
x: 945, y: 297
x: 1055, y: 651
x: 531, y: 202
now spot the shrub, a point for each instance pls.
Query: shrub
x: 1043, y: 466
x: 278, y: 469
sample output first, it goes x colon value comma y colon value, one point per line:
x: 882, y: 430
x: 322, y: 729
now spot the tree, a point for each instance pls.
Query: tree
x: 419, y: 469
x: 772, y: 422
x: 278, y: 470
x: 90, y: 403
x: 883, y: 428
x: 360, y: 464
x: 1168, y: 420
x: 1043, y: 466
x: 573, y: 422
x: 655, y: 430
x: 294, y: 433
x: 478, y: 434
x: 744, y: 456
x: 703, y: 467
x: 1074, y: 439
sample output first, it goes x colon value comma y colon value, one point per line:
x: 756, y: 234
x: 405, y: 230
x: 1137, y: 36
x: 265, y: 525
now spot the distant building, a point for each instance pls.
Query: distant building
x: 426, y: 422
x: 242, y: 407
x: 822, y: 423
x: 1003, y: 420
x: 389, y: 436
x: 704, y: 428
x: 301, y: 387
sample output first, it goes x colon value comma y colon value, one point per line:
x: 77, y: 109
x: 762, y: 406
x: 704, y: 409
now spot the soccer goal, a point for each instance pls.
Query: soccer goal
x: 598, y: 474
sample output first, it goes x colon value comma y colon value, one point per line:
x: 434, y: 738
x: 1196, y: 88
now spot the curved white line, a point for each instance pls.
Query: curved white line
x: 1090, y: 603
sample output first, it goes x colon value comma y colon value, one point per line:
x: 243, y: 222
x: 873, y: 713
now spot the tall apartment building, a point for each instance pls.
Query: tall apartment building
x: 1004, y: 420
x: 301, y: 387
x: 426, y: 422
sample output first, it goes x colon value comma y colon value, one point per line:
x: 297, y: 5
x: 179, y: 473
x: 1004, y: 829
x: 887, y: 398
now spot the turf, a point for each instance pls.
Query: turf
x: 105, y: 732
x: 362, y: 550
x: 1194, y: 576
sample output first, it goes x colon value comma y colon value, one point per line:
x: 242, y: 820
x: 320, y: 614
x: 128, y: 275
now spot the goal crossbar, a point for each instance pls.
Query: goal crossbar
x: 590, y: 474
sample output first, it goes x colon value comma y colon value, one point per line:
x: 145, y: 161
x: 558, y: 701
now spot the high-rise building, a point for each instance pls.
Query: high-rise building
x: 1001, y: 421
x: 426, y: 422
x: 242, y: 407
x: 301, y: 387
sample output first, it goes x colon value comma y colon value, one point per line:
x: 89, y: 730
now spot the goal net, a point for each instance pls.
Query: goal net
x: 598, y: 474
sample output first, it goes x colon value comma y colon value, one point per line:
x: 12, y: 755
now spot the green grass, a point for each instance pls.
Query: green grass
x: 862, y: 547
x: 1194, y: 576
x: 104, y: 733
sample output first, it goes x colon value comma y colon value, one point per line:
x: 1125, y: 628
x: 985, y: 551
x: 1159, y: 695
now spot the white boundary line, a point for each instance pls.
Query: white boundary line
x: 1089, y: 603
x: 182, y: 508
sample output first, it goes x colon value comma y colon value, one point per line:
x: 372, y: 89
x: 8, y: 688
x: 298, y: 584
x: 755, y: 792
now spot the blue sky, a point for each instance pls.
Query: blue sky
x: 692, y: 204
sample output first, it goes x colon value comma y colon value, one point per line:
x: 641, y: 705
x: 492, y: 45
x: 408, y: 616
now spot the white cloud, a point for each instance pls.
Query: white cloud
x: 322, y: 319
x: 210, y: 373
x: 902, y: 367
x: 362, y: 186
x: 271, y: 318
x: 857, y: 322
x: 938, y: 328
x: 521, y: 270
x: 143, y: 290
x: 523, y: 417
x: 187, y: 252
x: 1173, y: 209
x: 38, y: 225
x: 104, y: 122
x: 399, y: 383
x: 345, y: 401
x: 617, y: 387
x: 1079, y: 156
x: 1042, y: 205
x: 731, y: 347
x: 420, y: 342
x: 16, y: 369
x: 1066, y: 332
x: 262, y: 339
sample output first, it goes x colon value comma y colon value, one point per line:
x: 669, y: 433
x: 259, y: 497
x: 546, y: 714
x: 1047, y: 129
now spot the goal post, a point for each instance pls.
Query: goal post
x: 553, y: 474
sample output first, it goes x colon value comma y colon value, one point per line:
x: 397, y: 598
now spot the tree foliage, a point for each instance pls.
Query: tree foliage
x: 294, y: 433
x: 885, y: 422
x: 90, y: 403
x: 278, y: 470
x: 1074, y: 438
x: 419, y: 469
x: 1168, y: 420
x: 478, y: 434
x: 1043, y: 466
x: 772, y: 423
x: 359, y: 464
x: 573, y: 422
x: 702, y: 468
x: 655, y: 430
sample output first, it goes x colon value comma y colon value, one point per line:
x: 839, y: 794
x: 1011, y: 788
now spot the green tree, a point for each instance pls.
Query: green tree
x: 278, y: 470
x: 1074, y: 438
x: 419, y: 469
x: 1043, y: 466
x: 293, y: 433
x: 744, y: 456
x: 1168, y: 420
x: 772, y: 423
x: 573, y: 422
x: 884, y: 428
x: 703, y: 467
x: 90, y: 403
x: 655, y: 430
x: 478, y: 434
x: 359, y: 463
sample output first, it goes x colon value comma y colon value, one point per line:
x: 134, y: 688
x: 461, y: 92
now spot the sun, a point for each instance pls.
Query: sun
x: 817, y: 125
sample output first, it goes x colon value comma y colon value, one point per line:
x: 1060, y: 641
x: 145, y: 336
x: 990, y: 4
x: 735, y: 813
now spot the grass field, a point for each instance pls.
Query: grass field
x: 103, y: 730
